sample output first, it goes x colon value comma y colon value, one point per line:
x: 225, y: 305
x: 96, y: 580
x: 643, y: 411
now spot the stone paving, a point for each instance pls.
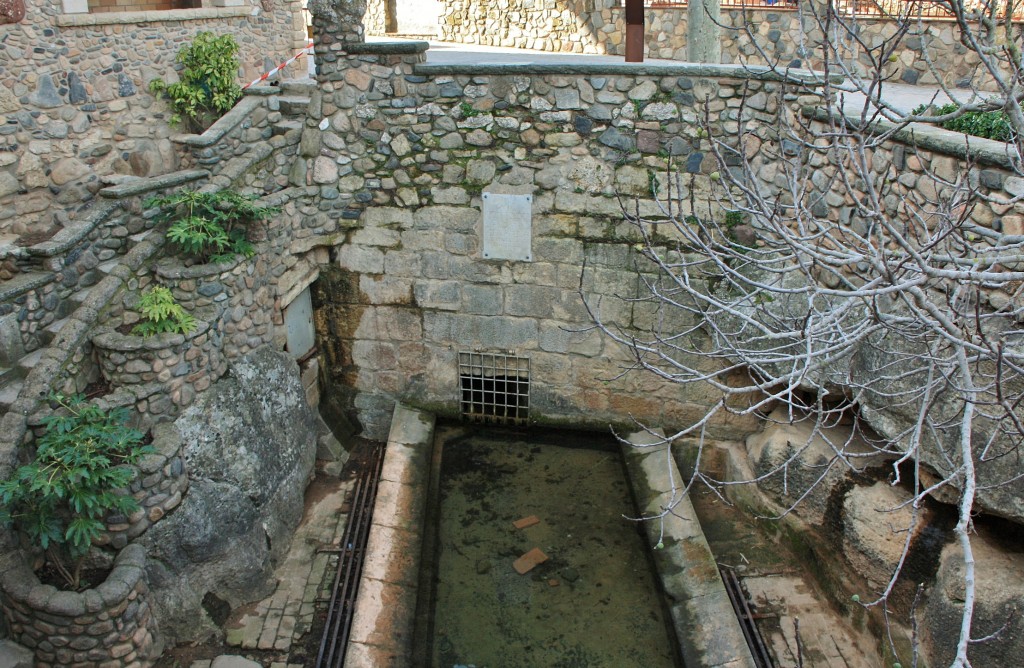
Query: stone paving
x: 305, y: 575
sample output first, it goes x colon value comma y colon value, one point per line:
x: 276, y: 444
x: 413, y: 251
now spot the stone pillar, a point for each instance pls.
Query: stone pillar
x: 703, y: 32
x: 337, y: 21
x: 336, y: 24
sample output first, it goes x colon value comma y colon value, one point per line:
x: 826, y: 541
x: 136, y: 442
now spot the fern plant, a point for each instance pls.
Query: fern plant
x: 60, y: 499
x: 162, y: 314
x: 210, y: 227
x: 207, y: 87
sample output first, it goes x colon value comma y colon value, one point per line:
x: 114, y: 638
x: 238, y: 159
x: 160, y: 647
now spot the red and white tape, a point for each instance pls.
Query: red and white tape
x: 308, y: 50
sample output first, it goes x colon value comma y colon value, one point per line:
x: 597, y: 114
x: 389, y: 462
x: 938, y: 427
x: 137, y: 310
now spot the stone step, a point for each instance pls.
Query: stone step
x: 29, y: 362
x: 50, y: 332
x: 108, y: 266
x: 8, y: 375
x: 9, y: 394
x: 294, y: 105
x: 284, y: 127
x: 301, y: 87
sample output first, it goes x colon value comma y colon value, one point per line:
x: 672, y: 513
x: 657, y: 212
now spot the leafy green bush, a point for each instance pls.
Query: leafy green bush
x: 986, y: 124
x: 61, y: 499
x: 207, y: 87
x: 162, y: 314
x: 210, y: 227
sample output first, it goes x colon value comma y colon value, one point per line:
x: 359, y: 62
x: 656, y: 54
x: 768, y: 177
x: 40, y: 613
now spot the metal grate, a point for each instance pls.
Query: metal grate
x: 495, y: 387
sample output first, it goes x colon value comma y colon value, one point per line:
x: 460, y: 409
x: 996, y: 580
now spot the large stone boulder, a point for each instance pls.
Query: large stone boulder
x: 250, y: 444
x: 801, y: 466
x: 878, y: 520
x: 999, y: 572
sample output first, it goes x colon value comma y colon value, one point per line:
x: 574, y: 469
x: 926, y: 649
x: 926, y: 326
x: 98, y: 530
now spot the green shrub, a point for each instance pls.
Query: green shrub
x: 162, y: 314
x: 77, y: 478
x: 210, y: 227
x: 207, y: 87
x: 986, y: 124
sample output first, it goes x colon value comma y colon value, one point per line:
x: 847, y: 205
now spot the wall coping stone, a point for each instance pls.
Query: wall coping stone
x: 110, y: 339
x: 21, y: 584
x: 173, y: 268
x: 68, y: 237
x: 685, y: 564
x: 154, y: 16
x: 699, y: 70
x: 22, y: 283
x: 929, y: 137
x: 386, y: 48
x: 264, y: 90
x: 224, y: 124
x: 142, y: 185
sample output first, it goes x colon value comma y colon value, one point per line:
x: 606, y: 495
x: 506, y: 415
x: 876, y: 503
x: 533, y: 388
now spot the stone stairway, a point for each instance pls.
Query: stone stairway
x: 294, y: 105
x: 16, y: 363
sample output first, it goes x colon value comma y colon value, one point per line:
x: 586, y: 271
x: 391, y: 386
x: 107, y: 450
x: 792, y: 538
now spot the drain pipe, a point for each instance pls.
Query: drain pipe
x: 708, y: 632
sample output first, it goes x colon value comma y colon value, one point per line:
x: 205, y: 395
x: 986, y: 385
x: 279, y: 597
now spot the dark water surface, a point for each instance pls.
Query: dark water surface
x: 594, y: 603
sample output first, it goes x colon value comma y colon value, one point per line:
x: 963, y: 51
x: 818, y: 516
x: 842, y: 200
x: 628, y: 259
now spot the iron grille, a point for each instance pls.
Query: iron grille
x: 495, y: 387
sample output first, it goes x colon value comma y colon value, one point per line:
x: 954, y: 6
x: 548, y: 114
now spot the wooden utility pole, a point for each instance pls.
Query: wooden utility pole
x: 634, y: 31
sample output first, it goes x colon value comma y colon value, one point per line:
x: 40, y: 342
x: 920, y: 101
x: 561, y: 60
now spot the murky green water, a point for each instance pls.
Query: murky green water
x: 593, y: 603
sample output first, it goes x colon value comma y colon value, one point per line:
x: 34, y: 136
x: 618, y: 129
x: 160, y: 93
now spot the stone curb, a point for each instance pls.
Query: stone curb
x: 706, y: 626
x: 384, y: 616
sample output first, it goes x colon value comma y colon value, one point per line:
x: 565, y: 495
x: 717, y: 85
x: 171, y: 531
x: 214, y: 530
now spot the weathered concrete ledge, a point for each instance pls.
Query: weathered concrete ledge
x: 929, y: 137
x: 143, y: 185
x: 384, y: 619
x: 583, y: 68
x: 706, y: 626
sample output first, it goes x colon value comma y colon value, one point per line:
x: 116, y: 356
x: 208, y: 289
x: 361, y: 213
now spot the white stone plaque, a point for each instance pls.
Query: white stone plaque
x: 508, y: 227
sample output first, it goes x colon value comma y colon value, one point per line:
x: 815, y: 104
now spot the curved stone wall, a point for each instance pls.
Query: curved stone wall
x: 111, y: 625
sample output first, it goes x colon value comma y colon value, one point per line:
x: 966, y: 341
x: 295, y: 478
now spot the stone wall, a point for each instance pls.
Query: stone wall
x: 109, y: 625
x: 74, y: 100
x: 409, y: 151
x: 777, y: 36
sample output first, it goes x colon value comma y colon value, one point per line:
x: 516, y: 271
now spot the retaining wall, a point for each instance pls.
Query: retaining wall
x: 74, y: 100
x: 109, y: 625
x: 777, y: 35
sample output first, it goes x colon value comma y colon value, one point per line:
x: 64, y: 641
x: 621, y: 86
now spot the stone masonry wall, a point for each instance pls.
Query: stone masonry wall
x: 74, y: 100
x: 409, y: 151
x: 110, y: 625
x: 777, y: 36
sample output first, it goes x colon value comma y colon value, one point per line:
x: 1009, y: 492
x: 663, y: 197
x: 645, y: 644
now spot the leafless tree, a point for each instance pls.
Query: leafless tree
x: 834, y: 288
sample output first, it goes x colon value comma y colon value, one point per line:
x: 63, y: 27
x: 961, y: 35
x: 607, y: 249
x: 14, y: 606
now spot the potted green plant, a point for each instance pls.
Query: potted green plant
x: 77, y: 478
x: 161, y: 314
x: 210, y: 226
